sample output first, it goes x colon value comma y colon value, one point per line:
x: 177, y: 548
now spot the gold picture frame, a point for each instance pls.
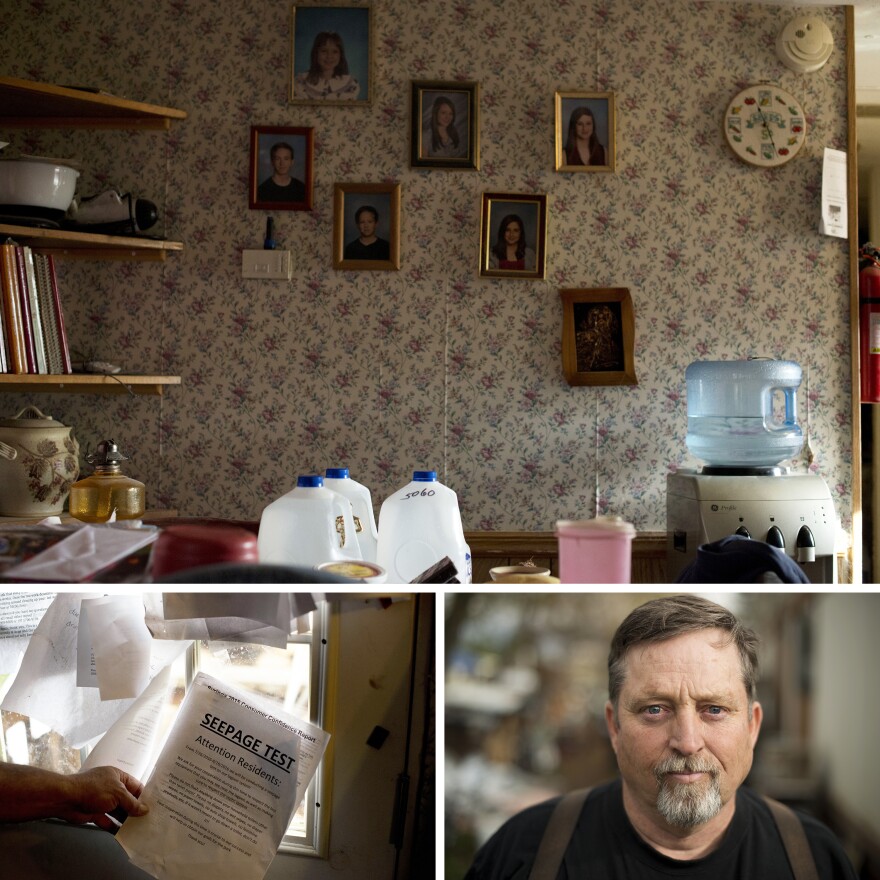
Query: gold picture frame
x: 502, y: 212
x: 586, y: 127
x: 598, y: 336
x: 366, y: 226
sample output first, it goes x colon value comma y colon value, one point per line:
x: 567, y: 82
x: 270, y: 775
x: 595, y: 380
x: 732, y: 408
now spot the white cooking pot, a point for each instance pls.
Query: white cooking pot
x: 37, y: 182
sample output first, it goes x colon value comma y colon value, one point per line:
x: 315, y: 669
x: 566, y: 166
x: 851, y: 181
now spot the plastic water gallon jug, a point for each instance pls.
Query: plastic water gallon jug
x: 743, y: 413
x: 595, y: 551
x: 338, y: 480
x: 419, y: 525
x: 307, y: 526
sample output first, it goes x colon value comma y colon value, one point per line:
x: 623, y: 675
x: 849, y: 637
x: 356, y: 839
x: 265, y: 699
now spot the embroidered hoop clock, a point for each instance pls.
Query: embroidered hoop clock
x: 765, y: 125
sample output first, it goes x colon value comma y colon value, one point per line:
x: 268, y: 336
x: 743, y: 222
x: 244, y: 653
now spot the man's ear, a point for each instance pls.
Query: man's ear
x: 757, y: 716
x: 611, y: 725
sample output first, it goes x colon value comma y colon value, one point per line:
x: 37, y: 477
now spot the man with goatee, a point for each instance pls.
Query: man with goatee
x: 683, y: 719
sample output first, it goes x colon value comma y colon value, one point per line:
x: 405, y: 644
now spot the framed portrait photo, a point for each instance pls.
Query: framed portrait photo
x: 445, y: 125
x: 585, y: 131
x: 598, y: 332
x: 366, y: 226
x: 331, y: 55
x: 281, y: 168
x: 513, y: 233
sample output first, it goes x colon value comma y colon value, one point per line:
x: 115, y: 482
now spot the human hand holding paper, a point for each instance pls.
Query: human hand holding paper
x: 88, y: 796
x: 231, y: 774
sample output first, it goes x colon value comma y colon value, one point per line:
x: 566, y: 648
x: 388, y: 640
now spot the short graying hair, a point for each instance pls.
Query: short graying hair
x: 670, y: 616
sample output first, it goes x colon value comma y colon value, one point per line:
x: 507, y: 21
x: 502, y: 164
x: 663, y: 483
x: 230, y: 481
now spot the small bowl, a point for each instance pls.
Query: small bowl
x: 501, y: 571
x: 35, y: 181
x: 357, y: 569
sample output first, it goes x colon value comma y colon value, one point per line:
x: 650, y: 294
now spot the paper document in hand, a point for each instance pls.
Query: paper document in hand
x: 233, y: 770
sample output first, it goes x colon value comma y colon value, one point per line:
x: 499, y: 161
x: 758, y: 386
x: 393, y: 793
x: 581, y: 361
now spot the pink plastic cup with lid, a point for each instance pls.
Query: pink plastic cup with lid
x: 595, y: 551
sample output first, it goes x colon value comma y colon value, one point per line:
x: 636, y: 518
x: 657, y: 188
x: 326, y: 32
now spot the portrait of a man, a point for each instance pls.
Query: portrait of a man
x: 281, y: 168
x: 366, y: 226
x: 368, y: 245
x: 281, y: 186
x: 673, y: 792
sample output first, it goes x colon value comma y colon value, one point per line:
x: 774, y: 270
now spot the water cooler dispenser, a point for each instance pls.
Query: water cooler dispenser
x: 742, y: 422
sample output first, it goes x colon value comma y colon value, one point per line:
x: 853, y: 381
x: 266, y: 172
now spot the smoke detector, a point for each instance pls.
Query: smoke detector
x: 804, y: 44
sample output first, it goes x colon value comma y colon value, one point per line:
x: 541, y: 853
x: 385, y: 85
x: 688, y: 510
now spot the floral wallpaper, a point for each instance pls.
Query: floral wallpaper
x: 433, y: 366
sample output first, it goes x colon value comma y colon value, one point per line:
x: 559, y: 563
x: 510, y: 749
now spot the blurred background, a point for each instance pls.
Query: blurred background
x: 526, y: 685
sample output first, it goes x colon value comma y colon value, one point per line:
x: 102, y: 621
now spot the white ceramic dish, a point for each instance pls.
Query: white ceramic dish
x: 37, y: 182
x: 501, y: 571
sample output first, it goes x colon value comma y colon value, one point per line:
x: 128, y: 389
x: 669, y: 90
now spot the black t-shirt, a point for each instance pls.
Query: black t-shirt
x: 377, y: 250
x: 605, y: 846
x: 269, y: 191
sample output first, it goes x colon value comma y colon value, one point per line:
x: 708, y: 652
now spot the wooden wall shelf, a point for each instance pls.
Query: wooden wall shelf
x: 85, y: 383
x: 27, y: 104
x: 64, y: 244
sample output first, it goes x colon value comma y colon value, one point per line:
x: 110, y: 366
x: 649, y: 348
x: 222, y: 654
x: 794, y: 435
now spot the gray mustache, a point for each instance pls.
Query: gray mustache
x: 685, y: 765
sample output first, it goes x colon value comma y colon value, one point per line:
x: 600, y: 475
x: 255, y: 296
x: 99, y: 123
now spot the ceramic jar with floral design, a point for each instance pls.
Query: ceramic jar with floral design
x: 39, y: 461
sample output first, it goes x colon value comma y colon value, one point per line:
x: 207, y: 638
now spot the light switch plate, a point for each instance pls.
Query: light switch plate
x: 275, y: 265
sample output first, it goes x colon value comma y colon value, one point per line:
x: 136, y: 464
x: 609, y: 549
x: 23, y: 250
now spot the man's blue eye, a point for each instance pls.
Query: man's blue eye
x: 654, y: 710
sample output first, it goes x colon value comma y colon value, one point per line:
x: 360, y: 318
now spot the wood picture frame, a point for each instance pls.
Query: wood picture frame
x: 279, y: 152
x: 502, y: 255
x: 586, y: 128
x: 445, y: 124
x: 366, y: 226
x: 598, y: 336
x: 331, y: 55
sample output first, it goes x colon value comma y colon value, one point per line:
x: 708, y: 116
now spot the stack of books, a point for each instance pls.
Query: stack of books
x: 33, y: 335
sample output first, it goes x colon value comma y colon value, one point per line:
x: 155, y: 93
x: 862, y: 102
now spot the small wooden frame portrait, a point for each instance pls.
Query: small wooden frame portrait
x: 331, y: 55
x: 445, y: 125
x: 513, y: 233
x: 366, y: 226
x: 598, y: 333
x: 281, y: 168
x: 585, y: 131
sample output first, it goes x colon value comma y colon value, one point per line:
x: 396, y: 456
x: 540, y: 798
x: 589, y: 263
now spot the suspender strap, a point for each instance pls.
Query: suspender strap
x: 557, y: 834
x: 797, y: 848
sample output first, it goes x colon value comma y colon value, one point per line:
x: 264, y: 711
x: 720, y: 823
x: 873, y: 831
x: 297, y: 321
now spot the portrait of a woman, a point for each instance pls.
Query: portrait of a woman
x: 441, y: 138
x: 328, y: 76
x: 582, y: 146
x: 510, y: 250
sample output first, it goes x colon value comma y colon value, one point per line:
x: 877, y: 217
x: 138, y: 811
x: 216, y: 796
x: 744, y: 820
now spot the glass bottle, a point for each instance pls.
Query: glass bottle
x: 95, y: 498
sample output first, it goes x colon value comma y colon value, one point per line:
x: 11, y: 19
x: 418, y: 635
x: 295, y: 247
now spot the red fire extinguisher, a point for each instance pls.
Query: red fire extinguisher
x: 869, y: 322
